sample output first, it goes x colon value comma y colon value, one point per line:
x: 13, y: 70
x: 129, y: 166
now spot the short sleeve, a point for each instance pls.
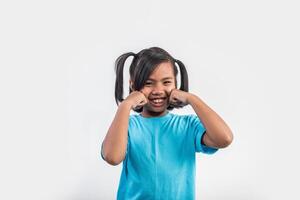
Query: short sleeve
x: 127, y: 147
x: 198, y: 131
x: 130, y: 124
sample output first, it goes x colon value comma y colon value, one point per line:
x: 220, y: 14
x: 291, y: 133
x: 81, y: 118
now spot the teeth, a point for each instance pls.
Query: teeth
x: 157, y: 100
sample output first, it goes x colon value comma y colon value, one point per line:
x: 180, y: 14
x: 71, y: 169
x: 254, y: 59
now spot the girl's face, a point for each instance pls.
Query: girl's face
x: 157, y: 90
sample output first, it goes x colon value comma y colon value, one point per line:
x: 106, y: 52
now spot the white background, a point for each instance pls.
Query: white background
x: 57, y: 92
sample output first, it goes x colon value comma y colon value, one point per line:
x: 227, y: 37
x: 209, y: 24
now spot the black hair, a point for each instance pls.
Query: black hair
x: 142, y: 65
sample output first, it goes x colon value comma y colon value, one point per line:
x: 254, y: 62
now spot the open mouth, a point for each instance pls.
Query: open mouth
x: 157, y: 102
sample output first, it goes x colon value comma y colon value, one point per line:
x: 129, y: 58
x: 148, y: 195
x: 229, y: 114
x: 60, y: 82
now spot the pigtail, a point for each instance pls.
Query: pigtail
x: 184, y: 82
x: 119, y: 68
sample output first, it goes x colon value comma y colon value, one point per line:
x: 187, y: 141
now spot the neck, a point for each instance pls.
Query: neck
x: 153, y: 114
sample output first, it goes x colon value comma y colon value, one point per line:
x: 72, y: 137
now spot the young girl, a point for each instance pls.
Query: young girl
x: 156, y: 146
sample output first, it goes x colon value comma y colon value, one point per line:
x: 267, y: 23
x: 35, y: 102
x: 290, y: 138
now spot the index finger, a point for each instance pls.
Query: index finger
x: 170, y: 92
x: 141, y: 91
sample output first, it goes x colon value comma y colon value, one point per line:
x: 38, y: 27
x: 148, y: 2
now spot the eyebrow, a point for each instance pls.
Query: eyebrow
x: 150, y: 79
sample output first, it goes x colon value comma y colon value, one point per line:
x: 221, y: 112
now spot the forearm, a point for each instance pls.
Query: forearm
x: 115, y: 141
x: 217, y: 130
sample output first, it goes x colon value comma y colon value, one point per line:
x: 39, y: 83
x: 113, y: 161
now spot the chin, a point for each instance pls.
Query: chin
x: 158, y: 110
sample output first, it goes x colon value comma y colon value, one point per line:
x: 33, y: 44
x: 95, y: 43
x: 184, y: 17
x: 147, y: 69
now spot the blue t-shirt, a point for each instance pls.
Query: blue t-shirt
x: 160, y: 157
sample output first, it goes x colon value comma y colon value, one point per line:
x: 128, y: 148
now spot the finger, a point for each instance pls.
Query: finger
x: 169, y: 93
x: 143, y: 92
x: 142, y: 103
x: 177, y: 103
x: 145, y: 100
x: 172, y: 98
x: 174, y: 103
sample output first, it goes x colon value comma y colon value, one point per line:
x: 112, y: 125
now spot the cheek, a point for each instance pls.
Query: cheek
x: 169, y: 88
x: 146, y: 91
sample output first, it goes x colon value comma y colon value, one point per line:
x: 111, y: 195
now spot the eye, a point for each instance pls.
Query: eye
x: 167, y: 82
x: 148, y: 83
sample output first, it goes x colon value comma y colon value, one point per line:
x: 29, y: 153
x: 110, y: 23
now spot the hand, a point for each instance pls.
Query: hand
x: 136, y: 99
x: 178, y: 98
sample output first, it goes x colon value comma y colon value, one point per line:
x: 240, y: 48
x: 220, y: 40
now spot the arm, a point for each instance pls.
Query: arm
x: 218, y: 134
x: 115, y: 141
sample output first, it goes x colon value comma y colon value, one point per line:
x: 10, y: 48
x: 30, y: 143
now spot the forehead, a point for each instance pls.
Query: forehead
x: 163, y: 70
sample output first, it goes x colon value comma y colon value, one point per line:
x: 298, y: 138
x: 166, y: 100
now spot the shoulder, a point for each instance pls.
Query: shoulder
x: 133, y: 119
x: 190, y: 122
x: 185, y: 121
x: 187, y: 118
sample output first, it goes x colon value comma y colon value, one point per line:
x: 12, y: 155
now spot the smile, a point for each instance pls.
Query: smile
x: 157, y: 102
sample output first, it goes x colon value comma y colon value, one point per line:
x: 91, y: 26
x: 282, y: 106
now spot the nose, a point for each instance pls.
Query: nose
x: 158, y: 89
